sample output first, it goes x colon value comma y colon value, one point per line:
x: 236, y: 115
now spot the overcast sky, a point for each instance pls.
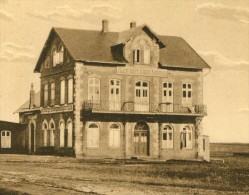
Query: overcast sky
x: 217, y: 30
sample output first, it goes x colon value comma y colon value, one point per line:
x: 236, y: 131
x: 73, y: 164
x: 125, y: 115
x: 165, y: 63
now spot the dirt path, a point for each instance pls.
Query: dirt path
x: 53, y: 175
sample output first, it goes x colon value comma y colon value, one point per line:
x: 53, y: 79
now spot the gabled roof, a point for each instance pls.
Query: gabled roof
x: 91, y: 45
x: 25, y: 106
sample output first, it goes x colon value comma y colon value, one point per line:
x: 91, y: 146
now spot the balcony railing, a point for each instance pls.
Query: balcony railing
x: 139, y: 107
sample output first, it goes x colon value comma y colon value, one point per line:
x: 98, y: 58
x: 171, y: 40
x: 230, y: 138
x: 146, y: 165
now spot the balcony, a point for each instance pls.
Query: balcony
x: 138, y: 108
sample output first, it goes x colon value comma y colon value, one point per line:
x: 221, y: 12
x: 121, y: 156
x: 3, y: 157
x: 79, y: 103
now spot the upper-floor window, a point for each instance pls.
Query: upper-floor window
x: 55, y: 57
x: 167, y: 135
x: 94, y: 90
x: 168, y: 92
x: 187, y: 93
x: 115, y: 96
x: 45, y: 94
x: 141, y: 53
x: 61, y: 54
x: 70, y: 91
x: 146, y: 50
x: 141, y: 96
x: 62, y: 91
x: 52, y: 93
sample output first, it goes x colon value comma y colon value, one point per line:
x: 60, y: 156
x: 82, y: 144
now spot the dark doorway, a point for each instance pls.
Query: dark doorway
x: 141, y: 139
x: 32, y: 138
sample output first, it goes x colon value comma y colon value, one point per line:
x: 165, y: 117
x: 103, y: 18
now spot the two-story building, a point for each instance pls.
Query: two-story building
x: 118, y: 95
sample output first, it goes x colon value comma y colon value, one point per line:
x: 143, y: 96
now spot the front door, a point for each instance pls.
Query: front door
x: 141, y: 139
x: 5, y: 139
x: 142, y: 96
x: 114, y: 98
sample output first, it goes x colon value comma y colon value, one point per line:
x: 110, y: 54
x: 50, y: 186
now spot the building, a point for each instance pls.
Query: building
x: 118, y: 95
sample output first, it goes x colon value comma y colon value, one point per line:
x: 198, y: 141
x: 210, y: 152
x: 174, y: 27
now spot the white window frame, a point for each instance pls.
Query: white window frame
x: 114, y: 135
x: 93, y: 135
x: 52, y: 97
x: 70, y: 91
x: 5, y: 139
x: 69, y: 133
x: 187, y: 90
x: 61, y: 54
x: 142, y: 96
x: 115, y: 94
x: 62, y: 133
x: 94, y: 94
x: 45, y: 130
x: 62, y: 91
x: 146, y: 50
x: 137, y: 56
x: 167, y: 133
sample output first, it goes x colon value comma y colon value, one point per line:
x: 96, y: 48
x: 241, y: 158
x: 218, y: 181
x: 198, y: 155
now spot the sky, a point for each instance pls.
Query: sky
x: 217, y: 30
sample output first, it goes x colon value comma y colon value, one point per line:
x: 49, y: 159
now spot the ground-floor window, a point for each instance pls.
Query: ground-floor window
x: 186, y: 137
x: 62, y: 134
x: 167, y: 137
x: 45, y: 130
x: 114, y: 135
x: 69, y: 134
x: 5, y: 139
x: 93, y: 135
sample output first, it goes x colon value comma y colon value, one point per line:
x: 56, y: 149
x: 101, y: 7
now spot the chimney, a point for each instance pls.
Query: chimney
x: 104, y: 26
x: 132, y: 24
x: 32, y: 97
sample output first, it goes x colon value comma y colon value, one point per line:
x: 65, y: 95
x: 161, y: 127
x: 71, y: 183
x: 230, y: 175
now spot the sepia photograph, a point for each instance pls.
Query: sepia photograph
x: 123, y: 97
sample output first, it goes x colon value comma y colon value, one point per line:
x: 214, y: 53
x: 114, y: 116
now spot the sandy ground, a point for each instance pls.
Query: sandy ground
x: 36, y: 175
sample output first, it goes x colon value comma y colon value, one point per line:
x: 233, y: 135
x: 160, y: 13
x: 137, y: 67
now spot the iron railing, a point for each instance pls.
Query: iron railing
x: 131, y: 106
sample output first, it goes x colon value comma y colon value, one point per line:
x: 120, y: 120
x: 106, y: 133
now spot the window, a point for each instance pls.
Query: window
x: 93, y: 135
x: 61, y: 54
x: 62, y: 92
x: 94, y: 90
x: 51, y: 133
x: 5, y: 139
x: 115, y: 96
x: 62, y: 134
x: 114, y: 135
x: 167, y: 137
x: 147, y: 54
x: 70, y: 91
x: 186, y: 137
x: 69, y: 134
x: 45, y: 94
x: 187, y: 93
x: 52, y: 93
x: 167, y: 97
x: 136, y: 56
x: 141, y: 96
x: 45, y: 131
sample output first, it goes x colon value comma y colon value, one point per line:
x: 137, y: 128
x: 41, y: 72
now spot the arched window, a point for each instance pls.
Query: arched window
x: 45, y: 131
x: 5, y: 139
x: 93, y: 135
x: 54, y: 57
x: 61, y: 54
x: 52, y: 93
x: 51, y: 132
x: 114, y: 135
x: 69, y: 134
x: 62, y: 92
x: 146, y: 50
x: 70, y: 91
x: 94, y: 90
x: 167, y: 137
x: 186, y: 137
x: 45, y: 94
x: 62, y: 134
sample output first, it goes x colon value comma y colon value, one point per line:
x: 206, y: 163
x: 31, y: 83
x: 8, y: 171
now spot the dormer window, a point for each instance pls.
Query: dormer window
x: 141, y: 53
x: 61, y: 54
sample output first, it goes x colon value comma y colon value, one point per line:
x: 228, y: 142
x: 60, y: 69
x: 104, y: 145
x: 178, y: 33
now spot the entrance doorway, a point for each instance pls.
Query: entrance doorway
x: 141, y: 139
x: 32, y: 138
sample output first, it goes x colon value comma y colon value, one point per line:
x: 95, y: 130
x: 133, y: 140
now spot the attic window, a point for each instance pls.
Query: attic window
x: 136, y: 56
x: 61, y: 54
